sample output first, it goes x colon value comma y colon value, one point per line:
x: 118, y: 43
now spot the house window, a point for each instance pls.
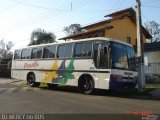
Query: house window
x: 128, y: 39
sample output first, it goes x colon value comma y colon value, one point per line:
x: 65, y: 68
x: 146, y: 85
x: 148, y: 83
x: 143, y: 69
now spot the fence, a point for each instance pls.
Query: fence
x: 5, y: 67
x: 152, y: 68
x: 152, y: 72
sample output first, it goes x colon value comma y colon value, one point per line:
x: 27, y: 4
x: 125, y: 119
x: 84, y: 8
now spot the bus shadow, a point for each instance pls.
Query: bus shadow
x: 125, y: 93
x: 69, y: 89
x: 129, y: 94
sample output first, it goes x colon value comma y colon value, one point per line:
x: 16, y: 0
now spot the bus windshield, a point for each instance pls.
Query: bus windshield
x: 123, y: 56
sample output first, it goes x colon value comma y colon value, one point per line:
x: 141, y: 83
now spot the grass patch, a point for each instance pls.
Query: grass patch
x: 43, y: 85
x: 135, y: 92
x: 156, y: 86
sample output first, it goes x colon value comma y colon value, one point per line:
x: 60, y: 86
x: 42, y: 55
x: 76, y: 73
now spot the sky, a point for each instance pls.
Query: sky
x: 18, y: 18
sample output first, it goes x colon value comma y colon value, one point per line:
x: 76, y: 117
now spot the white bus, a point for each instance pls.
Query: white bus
x: 99, y: 62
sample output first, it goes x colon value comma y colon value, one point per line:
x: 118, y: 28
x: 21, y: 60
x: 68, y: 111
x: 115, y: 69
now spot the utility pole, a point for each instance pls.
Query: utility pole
x: 140, y: 54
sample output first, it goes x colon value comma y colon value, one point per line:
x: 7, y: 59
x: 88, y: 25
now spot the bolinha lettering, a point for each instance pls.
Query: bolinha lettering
x: 31, y: 65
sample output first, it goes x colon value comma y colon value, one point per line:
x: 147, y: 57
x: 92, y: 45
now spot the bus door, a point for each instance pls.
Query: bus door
x: 102, y: 55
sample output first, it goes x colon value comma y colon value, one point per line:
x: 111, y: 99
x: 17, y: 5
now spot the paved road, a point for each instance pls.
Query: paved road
x: 16, y: 97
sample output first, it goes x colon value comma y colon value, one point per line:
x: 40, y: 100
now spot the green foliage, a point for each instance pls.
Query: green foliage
x: 40, y: 36
x: 5, y: 49
x: 73, y: 29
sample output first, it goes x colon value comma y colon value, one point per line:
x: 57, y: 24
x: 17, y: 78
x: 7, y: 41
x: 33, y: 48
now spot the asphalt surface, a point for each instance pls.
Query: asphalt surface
x: 17, y: 97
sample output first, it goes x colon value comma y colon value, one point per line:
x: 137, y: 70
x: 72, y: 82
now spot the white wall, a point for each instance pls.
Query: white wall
x: 154, y: 62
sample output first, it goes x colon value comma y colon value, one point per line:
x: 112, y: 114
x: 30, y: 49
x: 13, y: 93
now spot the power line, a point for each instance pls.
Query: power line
x: 82, y: 25
x: 55, y: 16
x: 121, y: 4
x: 82, y: 3
x: 11, y: 6
x: 116, y: 3
x: 105, y: 10
x: 75, y: 4
x: 6, y: 5
x: 151, y: 6
x: 153, y: 1
x: 36, y: 6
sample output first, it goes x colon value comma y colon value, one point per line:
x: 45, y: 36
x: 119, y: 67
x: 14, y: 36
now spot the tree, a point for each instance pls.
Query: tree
x: 73, y: 29
x: 154, y: 29
x: 40, y: 36
x: 5, y: 49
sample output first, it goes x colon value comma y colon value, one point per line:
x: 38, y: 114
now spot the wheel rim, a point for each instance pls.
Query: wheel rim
x: 86, y: 85
x: 31, y: 81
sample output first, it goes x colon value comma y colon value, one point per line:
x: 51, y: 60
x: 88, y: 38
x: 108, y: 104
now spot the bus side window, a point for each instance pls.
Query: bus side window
x: 17, y: 54
x: 96, y: 55
x: 26, y: 53
x: 68, y: 51
x: 34, y: 53
x: 87, y: 49
x: 39, y: 53
x: 61, y: 50
x: 46, y: 52
x: 52, y: 51
x: 49, y: 52
x: 78, y: 50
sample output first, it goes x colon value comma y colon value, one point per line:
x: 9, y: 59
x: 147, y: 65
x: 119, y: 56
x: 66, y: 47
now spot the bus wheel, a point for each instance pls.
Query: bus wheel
x: 86, y: 85
x: 31, y: 81
x: 52, y: 86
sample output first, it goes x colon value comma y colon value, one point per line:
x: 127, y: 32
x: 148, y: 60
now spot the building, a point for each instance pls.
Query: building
x: 152, y: 52
x: 120, y: 25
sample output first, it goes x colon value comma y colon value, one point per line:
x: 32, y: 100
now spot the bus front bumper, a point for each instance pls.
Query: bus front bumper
x: 121, y: 83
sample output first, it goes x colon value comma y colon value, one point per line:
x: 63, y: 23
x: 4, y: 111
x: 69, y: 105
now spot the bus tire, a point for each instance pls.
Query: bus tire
x: 52, y: 86
x: 31, y: 81
x: 85, y: 84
